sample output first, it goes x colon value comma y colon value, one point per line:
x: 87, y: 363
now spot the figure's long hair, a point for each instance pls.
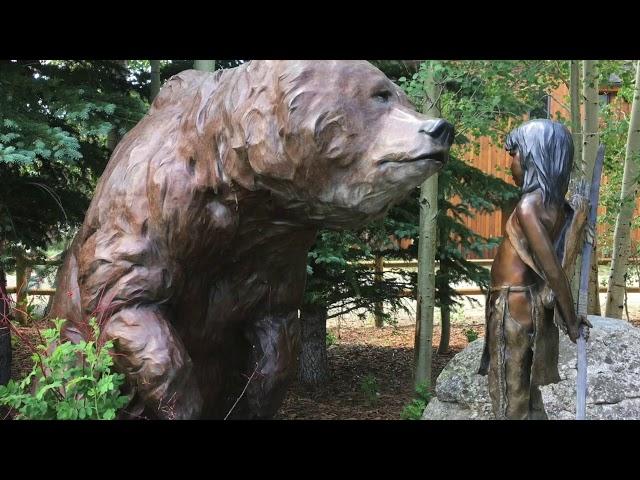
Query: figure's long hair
x: 546, y: 153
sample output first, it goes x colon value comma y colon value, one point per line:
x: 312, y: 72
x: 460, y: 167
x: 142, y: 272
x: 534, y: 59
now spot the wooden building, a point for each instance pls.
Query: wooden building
x: 493, y: 159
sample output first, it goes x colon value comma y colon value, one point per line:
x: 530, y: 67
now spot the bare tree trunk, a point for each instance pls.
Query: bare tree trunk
x: 313, y: 369
x: 578, y: 171
x: 445, y: 320
x: 23, y: 273
x: 426, y: 258
x: 576, y: 117
x: 591, y: 140
x: 114, y: 136
x: 62, y: 257
x: 112, y: 139
x: 378, y: 277
x: 445, y: 308
x: 205, y: 65
x: 590, y: 128
x: 628, y: 196
x: 5, y: 332
x: 155, y: 79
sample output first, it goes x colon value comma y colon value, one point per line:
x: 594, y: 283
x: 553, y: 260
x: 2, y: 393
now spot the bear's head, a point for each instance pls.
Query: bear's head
x: 335, y: 141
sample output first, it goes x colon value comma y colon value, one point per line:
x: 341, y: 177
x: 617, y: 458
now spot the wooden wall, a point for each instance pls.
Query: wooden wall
x: 492, y: 158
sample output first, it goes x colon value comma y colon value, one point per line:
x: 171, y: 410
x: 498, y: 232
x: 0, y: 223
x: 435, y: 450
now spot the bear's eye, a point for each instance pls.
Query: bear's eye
x: 382, y: 96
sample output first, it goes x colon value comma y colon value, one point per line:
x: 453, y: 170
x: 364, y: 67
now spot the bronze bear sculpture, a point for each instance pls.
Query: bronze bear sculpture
x: 193, y: 252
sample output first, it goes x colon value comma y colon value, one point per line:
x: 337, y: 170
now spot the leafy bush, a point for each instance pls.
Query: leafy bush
x: 369, y: 388
x: 471, y: 334
x: 331, y: 339
x: 72, y: 382
x: 414, y: 410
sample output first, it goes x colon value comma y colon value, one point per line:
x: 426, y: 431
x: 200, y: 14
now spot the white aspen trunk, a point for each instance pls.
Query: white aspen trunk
x: 576, y: 118
x: 205, y: 65
x: 426, y: 258
x: 628, y: 196
x: 577, y: 174
x: 590, y: 144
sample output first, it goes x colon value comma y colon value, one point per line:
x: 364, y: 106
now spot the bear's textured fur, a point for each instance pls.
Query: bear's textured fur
x: 193, y: 252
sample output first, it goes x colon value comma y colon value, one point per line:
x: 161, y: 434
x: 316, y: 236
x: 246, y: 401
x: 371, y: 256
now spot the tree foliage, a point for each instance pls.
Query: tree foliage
x: 614, y: 126
x: 338, y: 278
x: 56, y: 117
x: 54, y: 120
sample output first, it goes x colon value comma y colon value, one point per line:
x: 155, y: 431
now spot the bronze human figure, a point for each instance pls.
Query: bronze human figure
x: 528, y: 281
x: 193, y: 252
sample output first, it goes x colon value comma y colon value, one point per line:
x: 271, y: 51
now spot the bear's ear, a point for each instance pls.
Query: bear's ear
x: 304, y: 104
x: 181, y: 86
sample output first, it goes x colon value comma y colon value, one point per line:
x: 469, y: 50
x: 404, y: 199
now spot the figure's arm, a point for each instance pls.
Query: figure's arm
x: 528, y: 214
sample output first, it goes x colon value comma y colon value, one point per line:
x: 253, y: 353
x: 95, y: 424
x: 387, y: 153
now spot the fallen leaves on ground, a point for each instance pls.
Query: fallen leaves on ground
x: 386, y: 354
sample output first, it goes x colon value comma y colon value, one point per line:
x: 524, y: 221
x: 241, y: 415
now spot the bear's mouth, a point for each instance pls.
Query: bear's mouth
x: 439, y: 157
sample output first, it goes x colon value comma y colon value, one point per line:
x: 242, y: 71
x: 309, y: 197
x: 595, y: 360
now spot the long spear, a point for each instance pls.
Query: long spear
x: 594, y: 196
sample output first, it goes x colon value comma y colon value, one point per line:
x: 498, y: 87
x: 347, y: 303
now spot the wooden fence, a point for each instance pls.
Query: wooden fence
x: 385, y: 265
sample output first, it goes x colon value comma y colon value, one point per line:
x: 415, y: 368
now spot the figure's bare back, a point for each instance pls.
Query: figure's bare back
x: 508, y: 268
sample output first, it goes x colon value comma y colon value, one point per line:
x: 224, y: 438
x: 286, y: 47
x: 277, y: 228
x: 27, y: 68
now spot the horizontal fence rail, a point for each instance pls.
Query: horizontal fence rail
x: 388, y: 264
x: 478, y: 261
x: 408, y: 293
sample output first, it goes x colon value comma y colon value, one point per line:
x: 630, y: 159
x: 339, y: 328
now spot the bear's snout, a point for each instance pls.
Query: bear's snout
x: 440, y: 130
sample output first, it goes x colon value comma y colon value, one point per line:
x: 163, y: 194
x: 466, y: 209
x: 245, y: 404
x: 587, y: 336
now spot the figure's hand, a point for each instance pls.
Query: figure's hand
x: 573, y: 330
x: 586, y: 326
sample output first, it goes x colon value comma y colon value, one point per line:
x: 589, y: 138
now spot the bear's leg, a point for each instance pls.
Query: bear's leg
x: 275, y: 345
x: 155, y: 362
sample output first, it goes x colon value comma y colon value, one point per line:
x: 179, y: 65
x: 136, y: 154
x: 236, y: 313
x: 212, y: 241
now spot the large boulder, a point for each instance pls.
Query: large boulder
x: 613, y: 353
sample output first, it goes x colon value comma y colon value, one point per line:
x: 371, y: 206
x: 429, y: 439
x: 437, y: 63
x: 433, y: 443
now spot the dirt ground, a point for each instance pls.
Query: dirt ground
x: 21, y: 362
x: 361, y: 354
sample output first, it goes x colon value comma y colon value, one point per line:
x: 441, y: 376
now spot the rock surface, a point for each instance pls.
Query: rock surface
x: 613, y: 355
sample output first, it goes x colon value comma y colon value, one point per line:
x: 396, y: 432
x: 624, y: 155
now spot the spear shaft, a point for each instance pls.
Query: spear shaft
x: 594, y: 196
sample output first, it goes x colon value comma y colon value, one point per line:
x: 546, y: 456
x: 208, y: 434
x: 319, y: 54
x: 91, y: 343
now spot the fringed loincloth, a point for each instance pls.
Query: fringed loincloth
x: 523, y: 359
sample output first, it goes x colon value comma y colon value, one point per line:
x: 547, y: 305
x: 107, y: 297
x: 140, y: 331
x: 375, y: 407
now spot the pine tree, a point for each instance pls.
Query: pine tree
x: 339, y: 282
x: 56, y: 118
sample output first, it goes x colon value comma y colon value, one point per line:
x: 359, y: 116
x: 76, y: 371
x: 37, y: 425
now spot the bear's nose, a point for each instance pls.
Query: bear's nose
x: 439, y: 129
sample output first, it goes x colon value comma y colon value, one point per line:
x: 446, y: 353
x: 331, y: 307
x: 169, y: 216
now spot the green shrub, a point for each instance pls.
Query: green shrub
x: 369, y: 388
x: 331, y: 339
x: 73, y: 382
x: 414, y: 410
x: 471, y: 335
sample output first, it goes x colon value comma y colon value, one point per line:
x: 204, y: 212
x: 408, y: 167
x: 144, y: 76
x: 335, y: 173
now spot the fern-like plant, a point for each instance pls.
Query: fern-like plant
x: 74, y: 381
